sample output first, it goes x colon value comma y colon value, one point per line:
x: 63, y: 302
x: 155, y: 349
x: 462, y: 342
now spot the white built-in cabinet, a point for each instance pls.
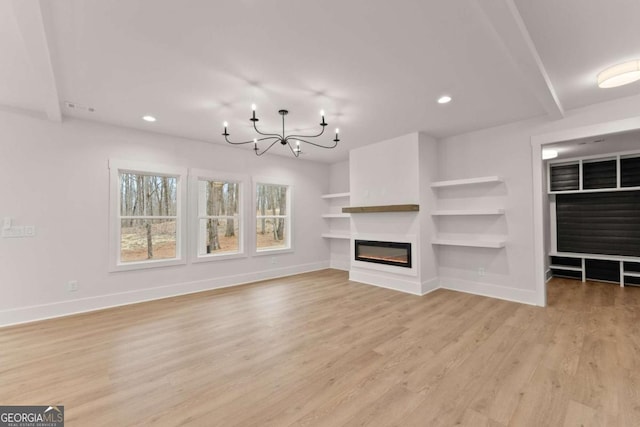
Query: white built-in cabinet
x: 339, y: 227
x: 486, y: 241
x: 613, y: 173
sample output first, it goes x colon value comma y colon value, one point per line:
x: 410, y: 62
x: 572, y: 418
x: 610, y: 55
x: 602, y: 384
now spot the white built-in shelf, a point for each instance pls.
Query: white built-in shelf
x: 632, y: 274
x: 335, y: 195
x: 468, y: 212
x: 595, y: 256
x: 469, y: 181
x: 336, y: 236
x: 336, y: 215
x: 565, y: 267
x: 475, y: 243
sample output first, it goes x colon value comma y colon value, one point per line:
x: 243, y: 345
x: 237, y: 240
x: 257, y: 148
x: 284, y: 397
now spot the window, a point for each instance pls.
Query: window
x: 218, y: 222
x: 146, y: 216
x: 273, y: 217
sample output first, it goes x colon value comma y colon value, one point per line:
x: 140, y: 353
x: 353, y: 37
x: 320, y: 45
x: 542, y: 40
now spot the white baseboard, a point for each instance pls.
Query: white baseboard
x: 548, y: 275
x: 430, y: 285
x: 82, y: 305
x: 488, y: 290
x: 383, y: 281
x: 339, y: 264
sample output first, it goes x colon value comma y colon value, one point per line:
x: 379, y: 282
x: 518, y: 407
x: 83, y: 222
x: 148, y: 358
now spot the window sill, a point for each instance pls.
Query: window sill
x: 264, y: 252
x: 221, y: 257
x: 143, y: 265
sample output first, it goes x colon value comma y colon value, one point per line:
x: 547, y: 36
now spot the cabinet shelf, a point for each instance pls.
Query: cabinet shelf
x: 461, y: 212
x: 336, y: 215
x: 336, y: 236
x: 474, y: 243
x: 565, y: 267
x: 632, y: 274
x: 469, y: 181
x: 335, y: 195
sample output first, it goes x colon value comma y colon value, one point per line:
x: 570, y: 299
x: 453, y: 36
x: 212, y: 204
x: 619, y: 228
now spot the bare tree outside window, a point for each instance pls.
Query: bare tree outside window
x: 272, y: 216
x: 218, y: 216
x: 148, y: 217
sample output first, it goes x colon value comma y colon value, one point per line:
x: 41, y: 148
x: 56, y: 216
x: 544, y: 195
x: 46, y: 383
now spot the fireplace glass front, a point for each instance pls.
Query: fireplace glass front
x: 390, y: 253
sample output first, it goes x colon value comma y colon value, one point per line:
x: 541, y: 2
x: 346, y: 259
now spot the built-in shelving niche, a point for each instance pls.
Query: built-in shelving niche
x: 488, y: 241
x: 337, y: 233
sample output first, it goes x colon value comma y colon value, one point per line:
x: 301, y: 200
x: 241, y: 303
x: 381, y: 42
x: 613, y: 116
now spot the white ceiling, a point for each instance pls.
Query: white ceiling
x: 597, y: 145
x: 376, y: 67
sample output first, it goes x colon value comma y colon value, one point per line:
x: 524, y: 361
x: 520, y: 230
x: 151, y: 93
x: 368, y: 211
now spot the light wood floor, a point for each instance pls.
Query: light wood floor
x: 315, y: 349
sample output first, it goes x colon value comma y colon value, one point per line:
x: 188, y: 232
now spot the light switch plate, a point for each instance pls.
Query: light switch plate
x: 15, y: 231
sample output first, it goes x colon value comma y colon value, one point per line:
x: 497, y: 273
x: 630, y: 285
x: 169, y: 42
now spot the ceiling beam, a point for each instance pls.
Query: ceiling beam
x: 513, y: 36
x: 28, y: 16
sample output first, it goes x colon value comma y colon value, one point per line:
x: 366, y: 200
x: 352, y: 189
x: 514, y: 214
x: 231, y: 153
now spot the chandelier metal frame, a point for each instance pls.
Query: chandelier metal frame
x: 283, y: 138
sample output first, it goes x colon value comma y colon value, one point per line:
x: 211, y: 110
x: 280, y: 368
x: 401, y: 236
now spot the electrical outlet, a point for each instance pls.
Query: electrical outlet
x: 274, y: 260
x: 481, y: 272
x: 29, y: 230
x: 72, y: 286
x: 15, y: 231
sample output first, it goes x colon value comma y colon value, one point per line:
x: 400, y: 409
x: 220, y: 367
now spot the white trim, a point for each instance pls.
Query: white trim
x: 595, y: 256
x: 116, y: 167
x: 488, y: 290
x: 196, y: 175
x: 340, y: 264
x: 548, y: 275
x: 553, y: 223
x: 537, y: 141
x: 596, y: 157
x: 428, y: 286
x: 383, y: 281
x: 289, y: 248
x: 82, y: 305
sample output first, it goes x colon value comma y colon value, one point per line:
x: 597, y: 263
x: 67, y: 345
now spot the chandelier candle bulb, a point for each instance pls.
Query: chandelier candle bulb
x: 253, y: 108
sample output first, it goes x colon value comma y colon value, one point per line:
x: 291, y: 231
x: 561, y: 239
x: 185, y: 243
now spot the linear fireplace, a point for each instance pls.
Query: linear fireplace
x: 390, y: 253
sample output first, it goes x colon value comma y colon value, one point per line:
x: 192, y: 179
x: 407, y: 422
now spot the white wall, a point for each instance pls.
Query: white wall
x: 339, y: 183
x: 506, y: 151
x: 387, y: 173
x: 428, y: 163
x: 55, y: 176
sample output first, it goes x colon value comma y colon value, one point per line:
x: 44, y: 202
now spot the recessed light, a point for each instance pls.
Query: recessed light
x: 445, y: 99
x: 621, y: 74
x: 548, y: 153
x: 149, y: 118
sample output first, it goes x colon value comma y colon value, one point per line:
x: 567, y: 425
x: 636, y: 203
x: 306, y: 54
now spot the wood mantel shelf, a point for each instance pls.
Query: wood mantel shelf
x: 385, y: 208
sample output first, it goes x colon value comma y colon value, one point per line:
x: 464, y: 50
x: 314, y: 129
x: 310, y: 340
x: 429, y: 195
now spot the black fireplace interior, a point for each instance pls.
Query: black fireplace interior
x: 390, y: 253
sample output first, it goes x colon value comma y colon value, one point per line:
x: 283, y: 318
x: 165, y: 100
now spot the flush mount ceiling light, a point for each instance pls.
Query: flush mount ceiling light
x: 149, y: 118
x: 283, y: 138
x: 548, y: 154
x: 621, y: 74
x: 445, y: 99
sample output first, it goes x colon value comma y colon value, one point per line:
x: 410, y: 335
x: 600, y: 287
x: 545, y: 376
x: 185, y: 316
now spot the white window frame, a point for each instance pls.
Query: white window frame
x: 196, y: 175
x: 116, y: 167
x: 289, y: 216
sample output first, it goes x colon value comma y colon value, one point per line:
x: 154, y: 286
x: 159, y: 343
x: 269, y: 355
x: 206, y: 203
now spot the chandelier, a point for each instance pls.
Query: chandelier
x: 274, y: 138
